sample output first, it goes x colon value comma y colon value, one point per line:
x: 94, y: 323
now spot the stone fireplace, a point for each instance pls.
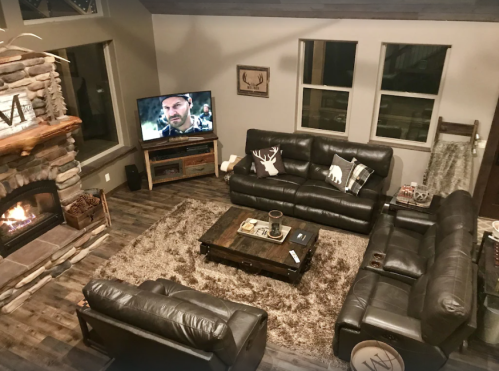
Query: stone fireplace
x: 39, y: 179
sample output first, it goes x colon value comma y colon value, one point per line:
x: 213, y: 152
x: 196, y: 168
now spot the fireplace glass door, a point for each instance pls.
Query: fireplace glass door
x: 27, y: 213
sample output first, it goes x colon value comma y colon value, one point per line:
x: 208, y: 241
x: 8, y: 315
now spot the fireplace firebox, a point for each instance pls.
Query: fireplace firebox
x: 27, y: 213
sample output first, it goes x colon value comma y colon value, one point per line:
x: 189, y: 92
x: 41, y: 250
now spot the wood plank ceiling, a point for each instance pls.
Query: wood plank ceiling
x: 450, y: 10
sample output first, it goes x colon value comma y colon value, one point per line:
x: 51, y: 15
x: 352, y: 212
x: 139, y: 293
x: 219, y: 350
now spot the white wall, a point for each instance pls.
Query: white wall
x: 201, y: 53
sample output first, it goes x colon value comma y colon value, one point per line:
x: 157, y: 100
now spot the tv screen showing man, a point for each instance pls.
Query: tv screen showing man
x: 175, y: 114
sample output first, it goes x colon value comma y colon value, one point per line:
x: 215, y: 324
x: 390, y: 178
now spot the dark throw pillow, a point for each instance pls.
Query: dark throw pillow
x: 339, y: 173
x: 268, y: 162
x: 359, y: 177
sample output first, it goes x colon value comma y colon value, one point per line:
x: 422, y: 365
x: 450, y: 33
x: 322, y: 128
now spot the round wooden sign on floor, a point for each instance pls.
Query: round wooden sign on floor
x: 367, y: 354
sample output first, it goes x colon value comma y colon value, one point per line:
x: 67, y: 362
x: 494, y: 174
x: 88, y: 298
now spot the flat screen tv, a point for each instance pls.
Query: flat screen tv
x: 175, y: 114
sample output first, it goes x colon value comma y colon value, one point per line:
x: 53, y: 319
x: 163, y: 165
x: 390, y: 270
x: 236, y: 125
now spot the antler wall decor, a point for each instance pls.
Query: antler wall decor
x: 253, y: 81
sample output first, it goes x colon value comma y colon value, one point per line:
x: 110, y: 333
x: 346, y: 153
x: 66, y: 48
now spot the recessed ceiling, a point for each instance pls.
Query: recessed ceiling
x: 451, y: 10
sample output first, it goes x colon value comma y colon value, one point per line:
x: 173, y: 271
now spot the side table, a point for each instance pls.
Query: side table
x: 394, y: 205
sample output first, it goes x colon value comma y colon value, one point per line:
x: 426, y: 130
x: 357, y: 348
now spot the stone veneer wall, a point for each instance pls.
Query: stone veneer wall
x: 54, y: 159
x: 28, y: 71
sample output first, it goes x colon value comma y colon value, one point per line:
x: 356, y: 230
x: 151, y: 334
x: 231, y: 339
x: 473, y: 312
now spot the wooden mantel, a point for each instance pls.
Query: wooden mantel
x: 26, y: 140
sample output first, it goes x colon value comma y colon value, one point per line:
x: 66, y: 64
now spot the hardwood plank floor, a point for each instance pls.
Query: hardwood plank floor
x: 44, y: 334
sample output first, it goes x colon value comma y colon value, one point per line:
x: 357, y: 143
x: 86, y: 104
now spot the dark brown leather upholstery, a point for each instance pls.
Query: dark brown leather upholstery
x: 411, y: 240
x: 302, y: 191
x: 422, y: 299
x: 424, y: 321
x: 190, y: 329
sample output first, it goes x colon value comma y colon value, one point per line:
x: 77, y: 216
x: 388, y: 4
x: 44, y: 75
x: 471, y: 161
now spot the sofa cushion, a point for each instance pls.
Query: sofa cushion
x: 407, y: 263
x: 373, y: 187
x: 222, y: 308
x: 323, y: 196
x: 378, y: 158
x: 355, y: 303
x: 280, y: 188
x: 391, y: 295
x: 173, y: 318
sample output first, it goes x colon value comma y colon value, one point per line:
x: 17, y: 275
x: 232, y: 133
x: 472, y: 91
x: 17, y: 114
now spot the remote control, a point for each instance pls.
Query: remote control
x: 295, y: 257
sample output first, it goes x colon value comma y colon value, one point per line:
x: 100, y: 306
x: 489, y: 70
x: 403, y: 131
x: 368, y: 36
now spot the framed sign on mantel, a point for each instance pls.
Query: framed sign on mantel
x: 16, y: 112
x: 253, y: 81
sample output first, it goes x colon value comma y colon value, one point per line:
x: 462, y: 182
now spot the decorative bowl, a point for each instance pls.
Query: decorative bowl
x: 421, y: 193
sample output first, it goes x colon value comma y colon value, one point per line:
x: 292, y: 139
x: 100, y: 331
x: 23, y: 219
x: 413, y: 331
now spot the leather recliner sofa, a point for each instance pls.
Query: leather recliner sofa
x: 163, y: 325
x: 404, y: 246
x: 303, y: 192
x: 421, y: 298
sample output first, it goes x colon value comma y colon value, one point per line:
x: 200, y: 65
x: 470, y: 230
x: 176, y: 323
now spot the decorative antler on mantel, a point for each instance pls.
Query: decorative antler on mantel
x: 8, y: 46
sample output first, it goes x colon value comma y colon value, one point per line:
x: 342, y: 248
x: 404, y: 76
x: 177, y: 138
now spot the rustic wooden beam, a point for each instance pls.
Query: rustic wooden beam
x: 26, y: 140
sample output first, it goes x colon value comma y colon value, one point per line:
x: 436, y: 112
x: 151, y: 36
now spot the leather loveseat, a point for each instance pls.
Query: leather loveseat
x: 404, y: 246
x: 303, y: 192
x: 163, y: 325
x: 417, y: 287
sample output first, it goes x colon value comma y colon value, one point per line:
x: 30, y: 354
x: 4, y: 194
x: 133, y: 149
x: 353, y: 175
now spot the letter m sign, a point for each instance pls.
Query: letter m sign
x: 15, y: 109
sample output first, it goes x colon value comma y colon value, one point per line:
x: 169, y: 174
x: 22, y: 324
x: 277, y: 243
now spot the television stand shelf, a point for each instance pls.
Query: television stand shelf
x: 168, y: 161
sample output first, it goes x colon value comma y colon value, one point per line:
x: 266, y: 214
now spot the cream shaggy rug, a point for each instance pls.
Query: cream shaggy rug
x: 301, y: 317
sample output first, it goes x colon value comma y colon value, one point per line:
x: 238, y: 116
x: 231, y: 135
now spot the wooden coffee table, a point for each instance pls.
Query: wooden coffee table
x: 253, y: 255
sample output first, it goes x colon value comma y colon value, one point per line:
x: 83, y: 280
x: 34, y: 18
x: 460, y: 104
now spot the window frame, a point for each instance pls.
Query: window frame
x: 98, y: 4
x: 114, y: 99
x: 301, y: 86
x: 436, y: 106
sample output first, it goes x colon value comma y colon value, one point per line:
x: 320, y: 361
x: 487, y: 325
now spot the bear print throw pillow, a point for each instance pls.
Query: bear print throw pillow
x: 339, y: 173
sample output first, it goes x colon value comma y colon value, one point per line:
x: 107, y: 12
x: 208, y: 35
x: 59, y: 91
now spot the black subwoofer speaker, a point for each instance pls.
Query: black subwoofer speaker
x: 133, y: 177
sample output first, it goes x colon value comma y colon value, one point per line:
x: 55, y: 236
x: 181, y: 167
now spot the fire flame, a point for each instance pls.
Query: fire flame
x: 16, y: 217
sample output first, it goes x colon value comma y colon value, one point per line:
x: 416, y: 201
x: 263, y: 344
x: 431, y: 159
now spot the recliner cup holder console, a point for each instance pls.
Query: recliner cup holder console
x: 377, y: 260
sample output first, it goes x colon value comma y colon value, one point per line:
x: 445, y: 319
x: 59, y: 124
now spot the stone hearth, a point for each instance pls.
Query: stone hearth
x: 39, y: 153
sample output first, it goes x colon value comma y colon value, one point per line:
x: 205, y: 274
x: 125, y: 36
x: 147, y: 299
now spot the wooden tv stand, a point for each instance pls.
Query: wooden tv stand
x: 168, y: 161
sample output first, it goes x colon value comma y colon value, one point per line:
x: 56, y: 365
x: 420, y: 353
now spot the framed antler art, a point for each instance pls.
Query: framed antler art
x: 253, y: 81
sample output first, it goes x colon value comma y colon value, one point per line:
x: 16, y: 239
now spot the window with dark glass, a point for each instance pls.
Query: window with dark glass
x: 410, y: 85
x: 326, y: 86
x: 42, y: 9
x: 86, y: 88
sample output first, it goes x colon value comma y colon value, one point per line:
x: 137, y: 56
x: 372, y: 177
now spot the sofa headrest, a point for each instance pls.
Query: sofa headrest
x: 170, y: 317
x: 448, y: 299
x: 457, y: 211
x: 376, y: 157
x: 293, y: 146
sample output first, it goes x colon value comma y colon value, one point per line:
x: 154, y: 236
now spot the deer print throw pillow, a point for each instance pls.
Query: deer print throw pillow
x: 268, y: 162
x: 339, y: 173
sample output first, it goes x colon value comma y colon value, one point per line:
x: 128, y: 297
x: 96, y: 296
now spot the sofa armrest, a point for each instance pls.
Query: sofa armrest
x: 414, y: 221
x: 391, y: 325
x: 244, y: 166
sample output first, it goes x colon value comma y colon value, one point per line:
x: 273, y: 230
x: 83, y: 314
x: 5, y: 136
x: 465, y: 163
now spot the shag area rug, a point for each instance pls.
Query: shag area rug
x: 301, y: 318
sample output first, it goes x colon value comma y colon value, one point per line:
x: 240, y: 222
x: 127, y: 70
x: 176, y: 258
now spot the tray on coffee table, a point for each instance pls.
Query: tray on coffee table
x: 260, y: 231
x: 223, y: 242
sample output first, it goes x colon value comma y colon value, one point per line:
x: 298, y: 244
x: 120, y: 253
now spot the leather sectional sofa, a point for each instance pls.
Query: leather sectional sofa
x: 417, y: 286
x: 303, y: 192
x: 163, y: 325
